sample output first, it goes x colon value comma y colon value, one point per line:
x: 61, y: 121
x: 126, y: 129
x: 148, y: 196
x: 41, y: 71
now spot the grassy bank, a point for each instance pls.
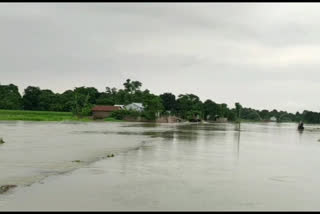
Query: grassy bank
x: 44, y: 116
x: 111, y: 119
x: 56, y: 116
x: 37, y: 115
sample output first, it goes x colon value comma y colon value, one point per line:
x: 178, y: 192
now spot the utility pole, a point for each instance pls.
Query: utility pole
x: 238, y: 112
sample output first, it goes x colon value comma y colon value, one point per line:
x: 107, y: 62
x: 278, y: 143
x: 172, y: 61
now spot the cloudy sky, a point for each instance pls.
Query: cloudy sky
x: 263, y: 55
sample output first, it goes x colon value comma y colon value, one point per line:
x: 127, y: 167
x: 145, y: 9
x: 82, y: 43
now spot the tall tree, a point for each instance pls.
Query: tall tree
x: 48, y: 101
x: 210, y: 110
x: 92, y: 92
x: 10, y: 97
x: 169, y: 102
x: 189, y: 106
x: 153, y: 106
x: 31, y: 98
x: 131, y: 87
x: 81, y: 105
x: 66, y: 100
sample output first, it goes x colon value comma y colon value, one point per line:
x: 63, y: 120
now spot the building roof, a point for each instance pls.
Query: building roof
x: 106, y: 108
x: 140, y: 105
x: 121, y: 106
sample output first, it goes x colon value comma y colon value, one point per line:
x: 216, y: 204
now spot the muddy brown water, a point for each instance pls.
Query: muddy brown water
x: 69, y: 166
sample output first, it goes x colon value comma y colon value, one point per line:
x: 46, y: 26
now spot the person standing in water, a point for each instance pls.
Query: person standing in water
x: 300, y: 126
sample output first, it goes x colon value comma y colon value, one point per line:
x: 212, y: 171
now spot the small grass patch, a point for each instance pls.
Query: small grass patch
x: 110, y: 155
x: 111, y: 119
x: 5, y: 188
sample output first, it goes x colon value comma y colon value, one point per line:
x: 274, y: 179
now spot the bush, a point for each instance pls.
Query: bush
x: 111, y: 119
x: 148, y: 115
x: 121, y: 114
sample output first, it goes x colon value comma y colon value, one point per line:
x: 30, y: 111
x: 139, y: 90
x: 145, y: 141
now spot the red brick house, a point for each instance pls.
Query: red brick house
x: 100, y: 112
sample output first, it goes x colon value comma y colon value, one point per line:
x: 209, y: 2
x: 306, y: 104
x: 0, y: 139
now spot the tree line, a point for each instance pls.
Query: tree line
x: 80, y: 100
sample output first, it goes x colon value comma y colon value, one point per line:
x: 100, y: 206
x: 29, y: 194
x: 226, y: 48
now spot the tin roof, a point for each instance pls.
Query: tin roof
x: 139, y: 105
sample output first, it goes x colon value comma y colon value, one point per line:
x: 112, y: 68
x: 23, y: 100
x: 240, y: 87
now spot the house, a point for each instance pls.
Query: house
x: 121, y: 106
x: 100, y: 112
x: 135, y: 107
x: 222, y: 119
x: 273, y: 119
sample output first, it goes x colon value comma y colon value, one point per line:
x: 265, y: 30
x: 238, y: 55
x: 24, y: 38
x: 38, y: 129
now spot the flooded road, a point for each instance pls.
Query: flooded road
x: 265, y: 166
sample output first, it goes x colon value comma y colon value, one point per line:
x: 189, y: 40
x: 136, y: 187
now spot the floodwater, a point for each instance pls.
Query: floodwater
x: 159, y: 167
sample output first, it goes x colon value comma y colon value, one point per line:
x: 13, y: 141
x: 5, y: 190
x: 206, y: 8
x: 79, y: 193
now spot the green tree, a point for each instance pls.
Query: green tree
x: 31, y: 98
x: 105, y: 99
x: 48, y: 101
x: 66, y: 100
x: 253, y: 115
x: 131, y: 87
x: 153, y: 107
x: 81, y: 105
x: 189, y: 106
x: 169, y: 102
x: 298, y: 117
x: 250, y: 114
x: 10, y: 97
x: 210, y: 110
x: 92, y: 92
x: 232, y: 115
x: 265, y: 114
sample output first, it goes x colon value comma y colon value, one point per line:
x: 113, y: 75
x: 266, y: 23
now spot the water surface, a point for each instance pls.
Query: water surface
x: 265, y: 166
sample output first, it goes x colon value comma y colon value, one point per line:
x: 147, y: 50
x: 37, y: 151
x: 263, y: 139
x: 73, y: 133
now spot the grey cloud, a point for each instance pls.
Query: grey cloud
x: 254, y: 53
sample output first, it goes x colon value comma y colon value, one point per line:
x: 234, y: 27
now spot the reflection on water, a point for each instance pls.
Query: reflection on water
x: 34, y: 150
x: 214, y: 166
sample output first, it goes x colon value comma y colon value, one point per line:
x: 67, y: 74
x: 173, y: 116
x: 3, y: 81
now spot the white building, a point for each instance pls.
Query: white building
x: 121, y: 106
x: 135, y: 107
x: 273, y: 118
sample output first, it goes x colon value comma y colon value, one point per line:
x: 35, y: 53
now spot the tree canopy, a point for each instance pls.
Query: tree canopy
x: 187, y: 106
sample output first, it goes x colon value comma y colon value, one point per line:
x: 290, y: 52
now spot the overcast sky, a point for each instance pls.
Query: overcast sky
x: 263, y: 55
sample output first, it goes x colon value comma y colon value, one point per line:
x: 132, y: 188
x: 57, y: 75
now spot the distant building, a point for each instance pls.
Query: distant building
x: 121, y: 106
x: 273, y: 119
x: 222, y: 119
x: 100, y: 112
x: 135, y: 107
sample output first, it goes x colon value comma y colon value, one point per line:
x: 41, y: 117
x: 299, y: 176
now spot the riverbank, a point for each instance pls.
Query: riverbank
x: 35, y: 115
x: 45, y: 116
x: 26, y: 115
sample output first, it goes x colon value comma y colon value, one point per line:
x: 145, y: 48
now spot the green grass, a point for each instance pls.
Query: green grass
x: 45, y: 116
x: 111, y: 119
x: 37, y: 115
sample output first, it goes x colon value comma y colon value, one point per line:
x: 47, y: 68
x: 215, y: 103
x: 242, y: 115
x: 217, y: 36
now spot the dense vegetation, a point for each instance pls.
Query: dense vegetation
x: 79, y: 101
